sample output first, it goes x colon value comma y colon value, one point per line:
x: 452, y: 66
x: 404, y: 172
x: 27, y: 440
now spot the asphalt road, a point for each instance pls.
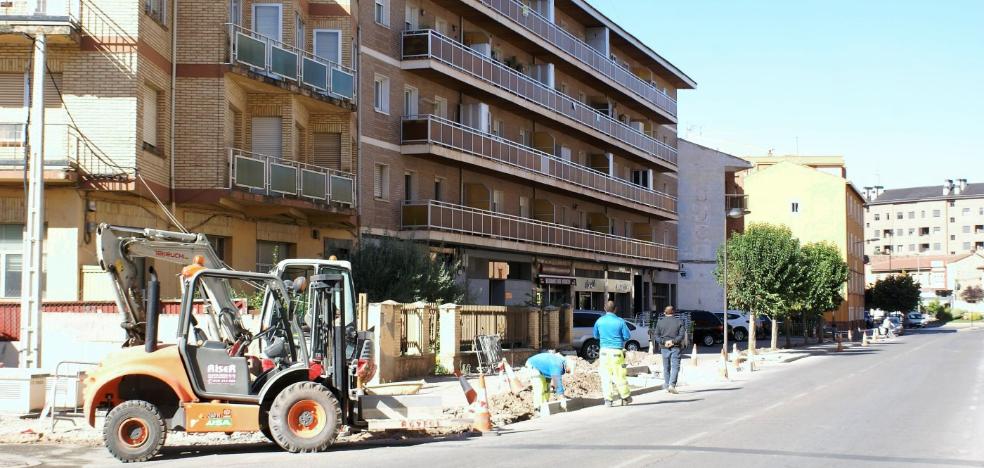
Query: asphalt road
x: 916, y: 401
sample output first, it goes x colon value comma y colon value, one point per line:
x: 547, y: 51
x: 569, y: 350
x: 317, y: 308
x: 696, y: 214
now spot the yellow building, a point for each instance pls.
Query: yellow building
x: 812, y: 196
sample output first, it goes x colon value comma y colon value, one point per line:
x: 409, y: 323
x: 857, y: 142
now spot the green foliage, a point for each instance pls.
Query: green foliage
x: 825, y: 273
x: 764, y: 271
x: 972, y: 294
x: 973, y: 316
x: 939, y: 310
x: 404, y: 271
x: 898, y: 293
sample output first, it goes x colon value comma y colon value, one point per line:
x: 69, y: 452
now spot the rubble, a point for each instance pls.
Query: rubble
x: 508, y: 408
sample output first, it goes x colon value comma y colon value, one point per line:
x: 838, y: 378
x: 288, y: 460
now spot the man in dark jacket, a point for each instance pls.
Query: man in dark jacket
x: 669, y: 334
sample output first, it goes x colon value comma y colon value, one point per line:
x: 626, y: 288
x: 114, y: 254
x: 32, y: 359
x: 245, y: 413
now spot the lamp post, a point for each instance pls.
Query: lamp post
x: 733, y: 213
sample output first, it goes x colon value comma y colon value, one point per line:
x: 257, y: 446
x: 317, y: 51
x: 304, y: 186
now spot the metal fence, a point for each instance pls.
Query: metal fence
x: 441, y: 216
x: 543, y: 28
x: 41, y: 10
x: 282, y: 61
x: 433, y: 45
x: 433, y: 129
x: 65, y: 147
x: 511, y: 324
x: 276, y: 176
x: 419, y: 330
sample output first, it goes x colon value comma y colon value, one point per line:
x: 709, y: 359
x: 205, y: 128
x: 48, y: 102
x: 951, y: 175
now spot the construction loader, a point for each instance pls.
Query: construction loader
x: 298, y: 379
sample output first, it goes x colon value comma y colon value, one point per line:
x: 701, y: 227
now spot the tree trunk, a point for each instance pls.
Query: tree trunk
x: 788, y: 328
x: 751, y: 333
x: 775, y: 333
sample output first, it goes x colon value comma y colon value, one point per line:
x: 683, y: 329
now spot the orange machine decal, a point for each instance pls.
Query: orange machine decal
x: 221, y: 417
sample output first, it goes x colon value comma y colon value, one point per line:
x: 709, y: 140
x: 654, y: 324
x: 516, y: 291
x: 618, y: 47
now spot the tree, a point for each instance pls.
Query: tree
x: 404, y: 271
x: 897, y: 293
x: 825, y: 273
x: 972, y: 294
x: 763, y: 272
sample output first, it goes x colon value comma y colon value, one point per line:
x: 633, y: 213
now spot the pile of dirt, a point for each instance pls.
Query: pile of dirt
x: 508, y: 408
x: 584, y: 382
x: 640, y: 358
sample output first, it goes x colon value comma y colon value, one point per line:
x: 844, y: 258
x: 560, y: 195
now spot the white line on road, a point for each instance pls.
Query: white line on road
x: 772, y: 407
x: 690, y: 439
x: 634, y: 461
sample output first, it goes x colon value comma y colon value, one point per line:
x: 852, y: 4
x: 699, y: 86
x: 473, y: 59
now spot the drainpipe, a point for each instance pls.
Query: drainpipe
x: 357, y: 163
x: 174, y: 76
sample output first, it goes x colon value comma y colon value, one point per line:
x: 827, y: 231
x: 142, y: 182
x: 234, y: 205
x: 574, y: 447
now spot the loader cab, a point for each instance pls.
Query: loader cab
x: 222, y: 358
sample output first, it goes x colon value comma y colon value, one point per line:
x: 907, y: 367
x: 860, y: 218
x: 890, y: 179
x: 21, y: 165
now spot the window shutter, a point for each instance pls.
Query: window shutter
x: 327, y: 150
x: 150, y: 117
x: 267, y: 136
x: 377, y: 182
x: 52, y: 84
x: 326, y: 45
x: 12, y: 90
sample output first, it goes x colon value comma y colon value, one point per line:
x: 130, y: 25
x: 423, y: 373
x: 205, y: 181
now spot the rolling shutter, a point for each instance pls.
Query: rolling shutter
x: 267, y: 137
x: 327, y: 150
x: 12, y: 90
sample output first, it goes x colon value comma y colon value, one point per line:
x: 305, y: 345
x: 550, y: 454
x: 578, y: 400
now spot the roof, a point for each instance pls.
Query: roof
x: 932, y: 192
x: 733, y: 162
x: 684, y: 80
x: 910, y: 262
x: 827, y: 161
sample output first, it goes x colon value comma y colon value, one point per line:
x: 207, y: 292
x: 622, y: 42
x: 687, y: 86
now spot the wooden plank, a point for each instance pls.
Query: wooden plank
x: 401, y: 407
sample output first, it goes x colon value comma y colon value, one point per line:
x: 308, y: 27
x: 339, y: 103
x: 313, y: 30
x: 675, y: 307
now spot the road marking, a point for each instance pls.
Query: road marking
x: 772, y: 407
x: 634, y: 461
x: 690, y: 439
x: 801, y: 395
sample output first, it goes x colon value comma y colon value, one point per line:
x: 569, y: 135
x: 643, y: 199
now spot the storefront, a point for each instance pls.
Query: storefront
x: 556, y: 284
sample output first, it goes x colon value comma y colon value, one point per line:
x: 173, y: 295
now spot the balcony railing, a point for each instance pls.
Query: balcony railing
x: 735, y: 200
x: 47, y: 11
x: 440, y: 131
x: 441, y: 216
x: 285, y: 62
x: 65, y: 147
x: 429, y: 44
x: 273, y: 176
x: 546, y: 30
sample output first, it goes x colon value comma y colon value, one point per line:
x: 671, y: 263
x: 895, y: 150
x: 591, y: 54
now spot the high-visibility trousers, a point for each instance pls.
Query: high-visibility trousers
x: 614, y: 375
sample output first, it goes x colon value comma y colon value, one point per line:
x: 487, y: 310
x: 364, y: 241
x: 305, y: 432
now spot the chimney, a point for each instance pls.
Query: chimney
x: 878, y: 191
x: 947, y: 186
x: 869, y: 193
x: 961, y: 186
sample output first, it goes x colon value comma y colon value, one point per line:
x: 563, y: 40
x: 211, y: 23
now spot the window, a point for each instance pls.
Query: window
x: 442, y: 26
x: 912, y: 215
x: 269, y: 253
x: 936, y: 246
x: 922, y: 214
x: 953, y: 220
x: 328, y: 44
x: 965, y: 212
x: 150, y: 117
x: 267, y: 20
x: 966, y: 245
x: 236, y: 12
x: 267, y: 136
x: 877, y: 234
x: 877, y: 217
x: 408, y: 186
x: 441, y: 107
x: 438, y: 189
x: 794, y: 207
x: 966, y: 229
x: 220, y: 245
x: 411, y: 20
x: 953, y: 237
x: 381, y: 12
x: 936, y: 213
x: 898, y: 215
x: 410, y: 100
x: 12, y: 134
x: 11, y: 245
x: 936, y: 229
x: 898, y: 232
x: 912, y: 231
x: 497, y: 126
x: 923, y: 247
x: 380, y: 100
x: 299, y: 34
x: 497, y: 197
x: 524, y: 207
x: 912, y: 247
x: 156, y: 9
x: 380, y: 182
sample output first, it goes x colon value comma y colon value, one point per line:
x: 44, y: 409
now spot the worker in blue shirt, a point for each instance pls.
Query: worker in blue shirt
x: 612, y: 333
x: 548, y: 370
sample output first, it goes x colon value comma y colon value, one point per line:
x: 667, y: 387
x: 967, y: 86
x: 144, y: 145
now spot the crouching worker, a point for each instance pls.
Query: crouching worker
x: 547, y: 371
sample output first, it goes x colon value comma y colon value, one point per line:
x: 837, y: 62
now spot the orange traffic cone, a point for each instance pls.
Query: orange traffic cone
x: 864, y: 339
x: 470, y: 394
x: 840, y: 344
x: 483, y: 419
x: 515, y: 386
x: 693, y: 356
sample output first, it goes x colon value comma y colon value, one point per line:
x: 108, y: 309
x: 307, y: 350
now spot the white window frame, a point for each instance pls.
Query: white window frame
x: 381, y: 191
x: 411, y: 17
x: 299, y: 31
x: 411, y: 100
x: 160, y: 15
x: 4, y: 253
x: 380, y: 101
x: 236, y: 12
x: 314, y: 42
x: 384, y: 16
x: 498, y: 199
x: 409, y: 181
x: 154, y: 138
x: 439, y: 183
x: 441, y: 107
x: 280, y: 19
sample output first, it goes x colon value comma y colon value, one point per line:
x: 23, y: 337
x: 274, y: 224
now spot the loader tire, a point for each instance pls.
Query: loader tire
x: 134, y: 431
x: 305, y: 418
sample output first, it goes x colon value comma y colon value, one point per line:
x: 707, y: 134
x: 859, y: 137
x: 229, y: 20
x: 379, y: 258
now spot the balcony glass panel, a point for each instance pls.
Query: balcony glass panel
x: 315, y: 74
x: 314, y: 184
x: 283, y: 63
x: 250, y: 173
x: 250, y: 51
x: 341, y: 189
x: 342, y: 83
x: 283, y: 179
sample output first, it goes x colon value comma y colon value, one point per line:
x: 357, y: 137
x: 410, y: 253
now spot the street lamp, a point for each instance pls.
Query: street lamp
x: 733, y: 213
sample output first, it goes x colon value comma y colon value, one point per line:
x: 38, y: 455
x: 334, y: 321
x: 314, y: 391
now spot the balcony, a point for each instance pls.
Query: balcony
x: 431, y: 45
x: 532, y: 164
x: 283, y: 63
x: 580, y: 52
x: 55, y: 17
x: 517, y: 233
x: 67, y: 154
x: 276, y: 177
x: 735, y: 200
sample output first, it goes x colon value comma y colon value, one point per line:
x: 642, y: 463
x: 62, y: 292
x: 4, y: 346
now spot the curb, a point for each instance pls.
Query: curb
x: 574, y: 404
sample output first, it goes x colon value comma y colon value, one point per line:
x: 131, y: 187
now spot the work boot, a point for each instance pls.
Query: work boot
x: 608, y: 403
x: 673, y: 389
x: 626, y: 401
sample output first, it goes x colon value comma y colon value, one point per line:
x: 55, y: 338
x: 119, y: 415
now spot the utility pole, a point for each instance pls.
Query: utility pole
x: 31, y: 281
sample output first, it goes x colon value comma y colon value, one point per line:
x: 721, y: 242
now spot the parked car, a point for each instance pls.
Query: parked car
x: 587, y: 346
x: 894, y: 325
x: 916, y: 320
x: 706, y: 327
x: 738, y: 324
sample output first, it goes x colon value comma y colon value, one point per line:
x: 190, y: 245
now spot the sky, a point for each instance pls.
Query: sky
x: 894, y: 86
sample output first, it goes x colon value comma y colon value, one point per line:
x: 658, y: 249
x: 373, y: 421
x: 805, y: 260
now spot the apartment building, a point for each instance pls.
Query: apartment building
x: 704, y: 202
x: 939, y: 220
x: 534, y: 140
x: 813, y: 197
x: 238, y: 116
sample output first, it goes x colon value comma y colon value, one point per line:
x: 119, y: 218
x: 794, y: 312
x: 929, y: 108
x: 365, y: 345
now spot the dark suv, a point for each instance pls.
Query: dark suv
x: 705, y: 327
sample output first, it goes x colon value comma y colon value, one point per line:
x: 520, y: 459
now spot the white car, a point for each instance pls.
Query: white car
x: 738, y: 324
x: 587, y: 346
